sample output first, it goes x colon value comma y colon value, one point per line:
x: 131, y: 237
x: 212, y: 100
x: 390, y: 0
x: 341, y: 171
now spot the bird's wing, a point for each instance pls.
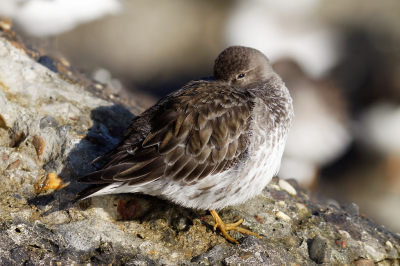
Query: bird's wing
x: 200, y: 131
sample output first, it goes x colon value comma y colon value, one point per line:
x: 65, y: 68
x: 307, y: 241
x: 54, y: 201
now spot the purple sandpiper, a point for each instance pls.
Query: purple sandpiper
x: 215, y: 142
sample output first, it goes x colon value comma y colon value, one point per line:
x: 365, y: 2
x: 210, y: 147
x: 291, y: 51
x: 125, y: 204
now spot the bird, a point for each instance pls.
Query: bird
x: 215, y: 142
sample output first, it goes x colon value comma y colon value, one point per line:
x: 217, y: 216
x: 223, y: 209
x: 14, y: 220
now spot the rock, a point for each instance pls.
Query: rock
x: 363, y: 262
x: 290, y: 241
x: 47, y: 62
x: 320, y: 250
x: 215, y: 254
x: 287, y: 187
x: 140, y: 260
x: 341, y: 242
x: 3, y: 122
x: 278, y: 195
x: 39, y: 144
x: 66, y: 121
x: 18, y: 254
x: 129, y: 210
x: 14, y: 165
x: 259, y: 219
x: 88, y: 234
x: 48, y: 121
x: 283, y: 216
x: 352, y: 209
x: 250, y: 252
x: 58, y: 217
x: 180, y: 223
x: 168, y: 236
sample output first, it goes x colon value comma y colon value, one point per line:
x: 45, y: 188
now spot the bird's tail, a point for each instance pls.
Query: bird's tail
x: 88, y: 192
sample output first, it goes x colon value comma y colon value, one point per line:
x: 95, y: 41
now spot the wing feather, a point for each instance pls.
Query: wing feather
x: 174, y: 156
x: 142, y: 171
x: 153, y: 175
x: 198, y: 131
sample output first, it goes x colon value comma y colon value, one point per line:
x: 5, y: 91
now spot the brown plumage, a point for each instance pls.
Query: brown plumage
x: 193, y: 134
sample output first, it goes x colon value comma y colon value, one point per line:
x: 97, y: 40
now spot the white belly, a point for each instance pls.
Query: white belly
x: 232, y: 187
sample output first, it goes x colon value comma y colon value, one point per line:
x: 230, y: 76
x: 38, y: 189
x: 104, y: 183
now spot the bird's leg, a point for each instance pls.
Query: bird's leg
x: 228, y: 227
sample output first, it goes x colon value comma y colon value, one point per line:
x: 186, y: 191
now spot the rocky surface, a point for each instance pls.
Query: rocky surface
x: 52, y: 127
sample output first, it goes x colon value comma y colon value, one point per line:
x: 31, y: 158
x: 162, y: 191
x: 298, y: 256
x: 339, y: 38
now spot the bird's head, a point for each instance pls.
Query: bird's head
x: 242, y: 66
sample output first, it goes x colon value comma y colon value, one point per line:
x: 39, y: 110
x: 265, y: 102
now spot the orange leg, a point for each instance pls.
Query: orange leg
x: 228, y: 227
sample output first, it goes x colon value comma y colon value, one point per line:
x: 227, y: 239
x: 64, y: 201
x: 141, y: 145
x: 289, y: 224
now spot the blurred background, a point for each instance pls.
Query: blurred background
x: 339, y: 59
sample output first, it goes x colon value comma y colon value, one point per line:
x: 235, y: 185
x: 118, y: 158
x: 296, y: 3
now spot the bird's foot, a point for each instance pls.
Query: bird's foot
x: 228, y: 227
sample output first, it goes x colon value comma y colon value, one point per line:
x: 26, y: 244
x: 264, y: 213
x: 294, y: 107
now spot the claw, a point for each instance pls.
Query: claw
x: 228, y: 227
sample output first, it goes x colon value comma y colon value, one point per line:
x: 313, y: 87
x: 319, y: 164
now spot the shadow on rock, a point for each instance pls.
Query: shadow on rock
x: 98, y: 134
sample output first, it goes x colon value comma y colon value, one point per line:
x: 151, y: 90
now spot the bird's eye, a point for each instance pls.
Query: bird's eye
x: 241, y: 76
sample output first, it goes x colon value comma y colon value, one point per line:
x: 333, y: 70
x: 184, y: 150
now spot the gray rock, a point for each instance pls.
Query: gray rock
x: 47, y: 62
x: 140, y: 260
x: 48, y: 121
x: 320, y: 250
x: 180, y: 223
x: 18, y: 254
x: 352, y: 209
x: 86, y: 235
x: 215, y: 254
